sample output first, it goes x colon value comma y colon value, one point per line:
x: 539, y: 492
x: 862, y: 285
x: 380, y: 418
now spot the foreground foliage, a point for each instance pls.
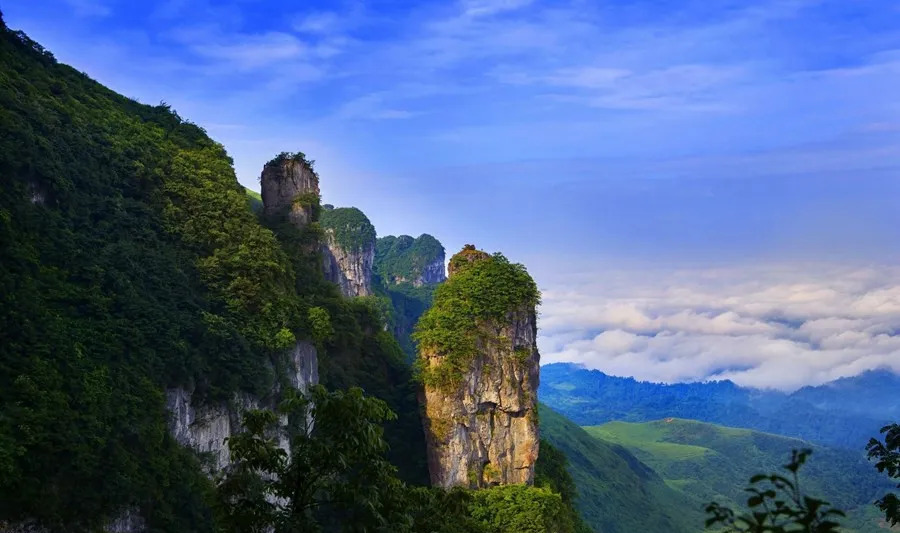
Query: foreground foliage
x: 333, y: 476
x: 778, y: 505
x: 887, y: 459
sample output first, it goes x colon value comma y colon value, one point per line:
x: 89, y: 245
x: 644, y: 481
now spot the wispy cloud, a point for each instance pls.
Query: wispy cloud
x: 247, y: 51
x: 371, y: 107
x: 319, y: 22
x: 90, y: 8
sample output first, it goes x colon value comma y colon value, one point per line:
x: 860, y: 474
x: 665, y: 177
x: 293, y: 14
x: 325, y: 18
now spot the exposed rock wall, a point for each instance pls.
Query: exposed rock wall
x: 351, y: 270
x: 204, y: 427
x: 485, y: 432
x: 287, y: 183
x: 432, y: 273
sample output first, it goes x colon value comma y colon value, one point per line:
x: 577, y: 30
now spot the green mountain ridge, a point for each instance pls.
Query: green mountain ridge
x: 707, y: 462
x: 131, y: 264
x: 399, y: 265
x: 617, y: 493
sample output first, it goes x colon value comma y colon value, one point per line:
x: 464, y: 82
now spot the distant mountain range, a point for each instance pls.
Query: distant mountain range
x: 844, y: 413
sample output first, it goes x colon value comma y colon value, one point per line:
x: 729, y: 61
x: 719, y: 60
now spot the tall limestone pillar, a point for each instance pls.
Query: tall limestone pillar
x: 480, y: 367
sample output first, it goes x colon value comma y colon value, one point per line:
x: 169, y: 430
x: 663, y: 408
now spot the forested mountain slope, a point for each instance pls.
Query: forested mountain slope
x: 617, y: 493
x: 706, y: 462
x: 132, y: 266
x: 132, y: 263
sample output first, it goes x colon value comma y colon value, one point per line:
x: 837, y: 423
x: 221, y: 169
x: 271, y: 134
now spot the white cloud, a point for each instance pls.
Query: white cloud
x: 780, y: 327
x: 371, y: 107
x: 253, y: 50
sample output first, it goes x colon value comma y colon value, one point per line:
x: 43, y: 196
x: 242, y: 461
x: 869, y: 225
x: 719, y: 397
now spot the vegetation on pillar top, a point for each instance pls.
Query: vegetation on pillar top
x: 469, y: 254
x: 351, y: 227
x: 484, y: 288
x: 298, y: 157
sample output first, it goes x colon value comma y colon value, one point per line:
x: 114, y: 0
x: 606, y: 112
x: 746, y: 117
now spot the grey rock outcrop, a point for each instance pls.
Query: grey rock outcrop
x: 432, y: 273
x: 128, y: 521
x: 204, y: 427
x: 348, y: 250
x: 288, y: 185
x: 351, y: 270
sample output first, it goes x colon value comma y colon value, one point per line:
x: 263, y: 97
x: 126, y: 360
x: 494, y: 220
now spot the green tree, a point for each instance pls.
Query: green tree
x: 335, y: 473
x: 778, y: 505
x: 521, y: 509
x: 320, y: 324
x: 887, y: 457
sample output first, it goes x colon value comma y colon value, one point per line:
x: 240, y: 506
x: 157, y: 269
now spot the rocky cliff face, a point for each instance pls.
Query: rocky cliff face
x: 351, y: 270
x: 480, y: 404
x: 348, y: 250
x: 290, y: 185
x: 485, y: 432
x: 433, y: 272
x: 205, y: 427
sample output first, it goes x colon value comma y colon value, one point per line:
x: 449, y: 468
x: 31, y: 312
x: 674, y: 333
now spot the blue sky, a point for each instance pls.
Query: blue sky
x: 576, y: 136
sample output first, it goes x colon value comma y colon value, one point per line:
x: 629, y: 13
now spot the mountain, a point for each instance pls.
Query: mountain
x: 845, y: 413
x: 152, y: 318
x: 143, y: 304
x: 403, y: 259
x: 407, y: 271
x: 349, y: 249
x: 617, y: 493
x: 706, y: 462
x: 874, y: 391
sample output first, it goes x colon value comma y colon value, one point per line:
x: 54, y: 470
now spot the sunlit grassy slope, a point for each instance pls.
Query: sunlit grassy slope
x: 617, y: 492
x: 707, y: 462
